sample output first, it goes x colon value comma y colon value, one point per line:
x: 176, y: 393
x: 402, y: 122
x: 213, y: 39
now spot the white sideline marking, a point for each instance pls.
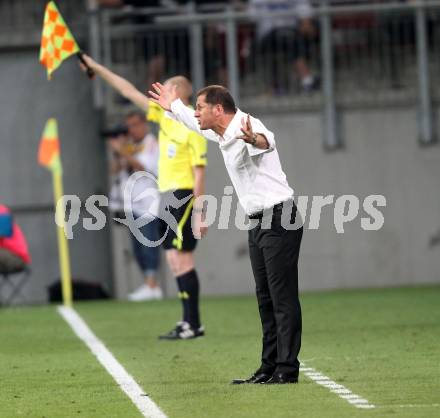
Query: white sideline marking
x: 420, y: 405
x: 125, y: 381
x: 338, y: 389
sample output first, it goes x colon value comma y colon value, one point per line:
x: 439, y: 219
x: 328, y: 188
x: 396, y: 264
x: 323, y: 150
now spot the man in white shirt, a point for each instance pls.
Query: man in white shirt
x: 253, y: 164
x: 141, y: 155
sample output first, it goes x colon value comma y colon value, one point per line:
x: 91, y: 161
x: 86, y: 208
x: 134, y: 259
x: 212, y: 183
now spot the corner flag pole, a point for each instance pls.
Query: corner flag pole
x: 49, y: 157
x: 63, y: 246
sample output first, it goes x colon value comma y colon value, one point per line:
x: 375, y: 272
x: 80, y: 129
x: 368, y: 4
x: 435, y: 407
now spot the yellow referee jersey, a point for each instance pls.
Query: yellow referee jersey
x: 180, y: 149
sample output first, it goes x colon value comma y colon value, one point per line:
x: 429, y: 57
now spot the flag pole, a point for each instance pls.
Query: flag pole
x: 63, y: 247
x: 90, y: 73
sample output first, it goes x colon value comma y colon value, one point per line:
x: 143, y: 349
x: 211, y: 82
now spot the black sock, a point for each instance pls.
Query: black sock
x: 189, y: 288
x: 183, y: 299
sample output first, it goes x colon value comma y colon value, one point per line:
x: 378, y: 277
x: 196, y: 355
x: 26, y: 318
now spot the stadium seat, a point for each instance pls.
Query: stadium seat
x: 11, y: 286
x: 14, y: 277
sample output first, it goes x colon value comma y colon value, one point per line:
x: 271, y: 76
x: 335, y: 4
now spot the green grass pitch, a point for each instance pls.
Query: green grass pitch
x: 383, y: 345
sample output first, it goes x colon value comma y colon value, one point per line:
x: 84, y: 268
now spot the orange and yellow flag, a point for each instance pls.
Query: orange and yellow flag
x: 49, y: 151
x: 57, y: 42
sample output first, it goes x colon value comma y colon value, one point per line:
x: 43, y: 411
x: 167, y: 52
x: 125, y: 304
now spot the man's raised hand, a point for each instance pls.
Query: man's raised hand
x: 163, y: 95
x: 247, y: 132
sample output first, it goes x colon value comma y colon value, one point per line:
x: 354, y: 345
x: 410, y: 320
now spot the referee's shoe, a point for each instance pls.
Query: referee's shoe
x: 183, y: 331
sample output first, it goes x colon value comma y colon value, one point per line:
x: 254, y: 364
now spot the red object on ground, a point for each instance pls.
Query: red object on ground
x: 16, y: 244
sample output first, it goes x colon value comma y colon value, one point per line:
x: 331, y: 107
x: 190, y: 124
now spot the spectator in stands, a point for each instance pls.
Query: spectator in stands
x: 214, y: 41
x: 157, y: 48
x: 168, y: 51
x: 14, y: 253
x: 214, y: 38
x: 140, y: 153
x: 286, y: 34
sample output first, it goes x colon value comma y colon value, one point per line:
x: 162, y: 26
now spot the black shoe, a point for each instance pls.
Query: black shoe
x: 281, y: 378
x: 183, y: 331
x: 257, y: 377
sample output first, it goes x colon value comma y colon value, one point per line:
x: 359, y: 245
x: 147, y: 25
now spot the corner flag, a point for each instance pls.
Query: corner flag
x: 49, y: 150
x: 49, y: 157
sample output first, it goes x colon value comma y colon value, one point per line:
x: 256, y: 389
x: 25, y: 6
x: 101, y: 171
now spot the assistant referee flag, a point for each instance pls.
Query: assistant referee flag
x: 57, y: 42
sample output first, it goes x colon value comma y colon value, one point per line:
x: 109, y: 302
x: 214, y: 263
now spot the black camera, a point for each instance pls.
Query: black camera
x: 114, y: 131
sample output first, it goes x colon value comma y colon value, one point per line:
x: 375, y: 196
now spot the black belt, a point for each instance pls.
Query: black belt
x: 275, y: 208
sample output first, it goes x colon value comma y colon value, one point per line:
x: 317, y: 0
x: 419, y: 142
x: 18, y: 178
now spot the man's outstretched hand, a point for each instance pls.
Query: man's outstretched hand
x: 163, y: 95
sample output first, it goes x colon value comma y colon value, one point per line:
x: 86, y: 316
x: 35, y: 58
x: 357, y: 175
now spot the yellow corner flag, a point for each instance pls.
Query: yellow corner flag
x: 49, y: 151
x: 57, y: 42
x: 49, y: 157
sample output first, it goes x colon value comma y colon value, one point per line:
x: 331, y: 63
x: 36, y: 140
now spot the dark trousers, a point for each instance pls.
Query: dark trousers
x: 274, y: 257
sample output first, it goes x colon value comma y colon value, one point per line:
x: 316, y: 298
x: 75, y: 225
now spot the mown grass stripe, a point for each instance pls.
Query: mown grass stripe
x: 124, y: 380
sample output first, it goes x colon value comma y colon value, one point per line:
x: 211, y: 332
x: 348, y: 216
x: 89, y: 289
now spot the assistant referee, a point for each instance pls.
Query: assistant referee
x: 181, y: 177
x: 182, y: 162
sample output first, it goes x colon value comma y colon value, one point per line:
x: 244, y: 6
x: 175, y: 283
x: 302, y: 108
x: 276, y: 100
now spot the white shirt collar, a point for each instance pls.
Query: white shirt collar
x: 231, y: 130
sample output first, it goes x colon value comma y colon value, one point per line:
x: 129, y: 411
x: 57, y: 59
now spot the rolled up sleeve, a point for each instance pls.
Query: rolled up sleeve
x: 186, y: 116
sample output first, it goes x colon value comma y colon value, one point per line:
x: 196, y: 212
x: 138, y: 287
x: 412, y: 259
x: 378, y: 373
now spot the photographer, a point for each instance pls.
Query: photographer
x: 134, y: 150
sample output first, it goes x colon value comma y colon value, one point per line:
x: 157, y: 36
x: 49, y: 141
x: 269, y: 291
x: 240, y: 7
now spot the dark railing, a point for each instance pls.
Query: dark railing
x: 361, y: 53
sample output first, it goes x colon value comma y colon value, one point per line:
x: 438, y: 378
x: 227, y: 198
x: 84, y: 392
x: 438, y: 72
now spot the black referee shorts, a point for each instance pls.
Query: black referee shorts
x: 184, y: 240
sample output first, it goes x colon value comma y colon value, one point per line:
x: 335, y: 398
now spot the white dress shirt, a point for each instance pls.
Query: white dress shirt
x: 256, y: 174
x: 142, y: 196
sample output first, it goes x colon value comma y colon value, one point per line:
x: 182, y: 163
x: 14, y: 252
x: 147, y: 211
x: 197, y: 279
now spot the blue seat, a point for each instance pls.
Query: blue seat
x: 6, y: 225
